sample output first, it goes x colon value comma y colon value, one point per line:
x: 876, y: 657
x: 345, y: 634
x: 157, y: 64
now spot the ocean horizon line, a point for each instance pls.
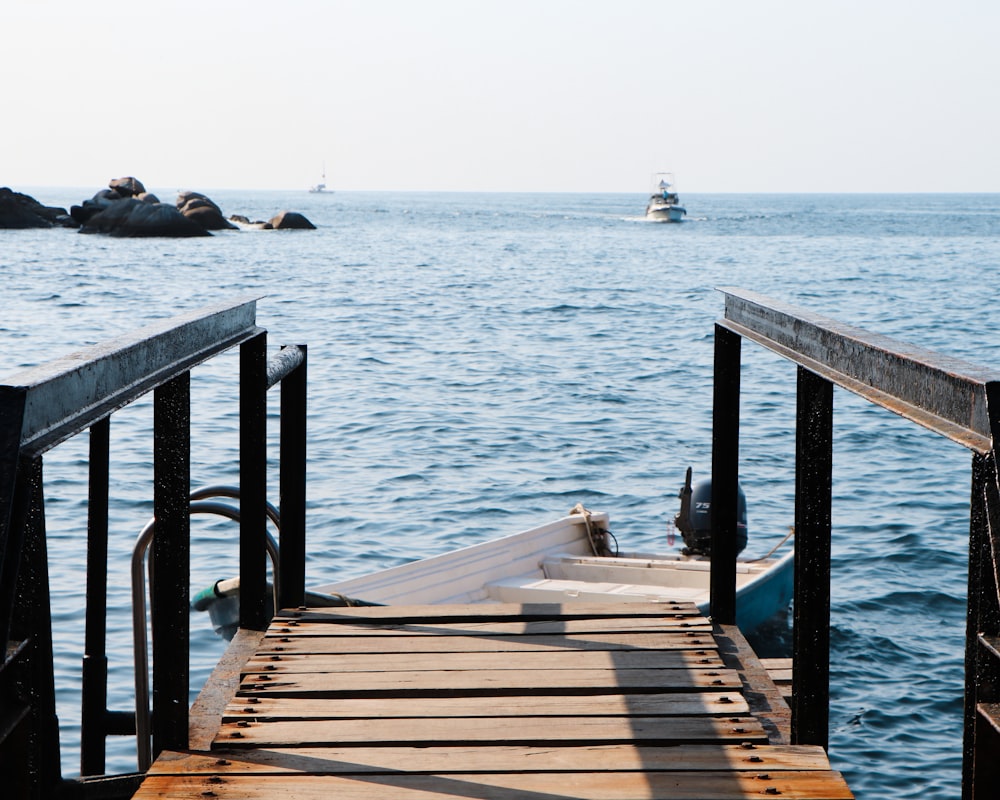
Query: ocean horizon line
x: 28, y: 188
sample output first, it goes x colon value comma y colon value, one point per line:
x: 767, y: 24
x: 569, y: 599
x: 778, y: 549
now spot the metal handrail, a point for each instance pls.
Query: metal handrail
x: 45, y: 405
x: 950, y: 397
x: 199, y: 505
x: 71, y: 393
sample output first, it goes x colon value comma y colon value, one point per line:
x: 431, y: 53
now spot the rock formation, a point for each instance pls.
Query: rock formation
x: 22, y: 211
x: 130, y: 216
x: 99, y: 202
x: 196, y: 206
x: 286, y: 220
x: 125, y: 208
x: 127, y: 187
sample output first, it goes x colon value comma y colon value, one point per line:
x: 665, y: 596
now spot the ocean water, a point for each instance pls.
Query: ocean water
x: 480, y: 362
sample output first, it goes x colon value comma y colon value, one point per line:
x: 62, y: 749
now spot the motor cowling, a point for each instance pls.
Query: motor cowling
x: 695, y: 518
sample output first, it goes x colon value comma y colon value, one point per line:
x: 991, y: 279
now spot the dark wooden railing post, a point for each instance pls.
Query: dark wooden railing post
x: 253, y: 483
x: 93, y: 727
x: 12, y: 403
x: 725, y: 474
x: 981, y: 743
x: 34, y: 673
x: 171, y: 558
x: 293, y: 486
x: 813, y: 496
x: 979, y: 559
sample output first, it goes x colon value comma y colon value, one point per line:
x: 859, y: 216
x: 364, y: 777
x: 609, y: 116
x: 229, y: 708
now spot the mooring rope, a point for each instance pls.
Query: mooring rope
x: 773, y: 550
x: 596, y: 537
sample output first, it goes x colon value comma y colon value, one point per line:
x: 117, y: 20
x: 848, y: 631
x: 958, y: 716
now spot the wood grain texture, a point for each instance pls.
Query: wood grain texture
x: 449, y: 627
x: 287, y: 663
x: 506, y: 786
x: 503, y: 703
x: 490, y: 730
x: 455, y: 679
x: 305, y: 642
x: 501, y: 758
x: 614, y: 704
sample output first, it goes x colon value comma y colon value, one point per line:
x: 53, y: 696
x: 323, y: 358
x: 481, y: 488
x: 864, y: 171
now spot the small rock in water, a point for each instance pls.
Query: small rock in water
x: 285, y: 220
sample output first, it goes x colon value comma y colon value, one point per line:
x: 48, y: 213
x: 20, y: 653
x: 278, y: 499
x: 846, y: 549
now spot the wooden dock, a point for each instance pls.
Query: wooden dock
x: 534, y: 702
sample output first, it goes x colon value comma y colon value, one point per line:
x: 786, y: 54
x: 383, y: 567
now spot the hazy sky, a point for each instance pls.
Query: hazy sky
x: 521, y: 95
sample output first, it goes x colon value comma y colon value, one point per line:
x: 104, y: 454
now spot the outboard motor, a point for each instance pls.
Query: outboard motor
x: 694, y: 520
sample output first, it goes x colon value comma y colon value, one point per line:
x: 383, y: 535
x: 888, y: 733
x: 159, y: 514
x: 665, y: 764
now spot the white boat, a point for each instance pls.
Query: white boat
x: 664, y: 204
x: 320, y: 188
x: 573, y: 559
x: 556, y: 563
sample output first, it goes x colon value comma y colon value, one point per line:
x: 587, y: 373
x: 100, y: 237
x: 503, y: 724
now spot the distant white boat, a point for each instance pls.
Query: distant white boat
x: 664, y: 204
x: 320, y: 188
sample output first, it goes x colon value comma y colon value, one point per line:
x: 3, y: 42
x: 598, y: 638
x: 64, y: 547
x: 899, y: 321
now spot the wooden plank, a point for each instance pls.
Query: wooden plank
x: 495, y: 730
x: 414, y: 662
x: 766, y: 702
x: 302, y: 643
x: 780, y: 669
x: 472, y: 628
x: 421, y: 703
x: 514, y: 758
x: 220, y: 688
x: 678, y: 704
x: 492, y: 611
x: 507, y: 786
x: 451, y: 679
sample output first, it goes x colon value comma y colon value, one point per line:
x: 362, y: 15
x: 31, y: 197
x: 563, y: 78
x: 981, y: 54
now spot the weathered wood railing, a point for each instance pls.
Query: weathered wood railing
x: 950, y: 397
x: 47, y: 405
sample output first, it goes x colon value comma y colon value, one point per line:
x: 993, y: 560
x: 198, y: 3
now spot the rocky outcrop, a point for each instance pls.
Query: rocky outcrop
x: 197, y: 207
x: 127, y: 187
x: 130, y: 216
x: 23, y: 211
x: 291, y: 220
x: 99, y: 202
x: 283, y: 220
x: 125, y: 208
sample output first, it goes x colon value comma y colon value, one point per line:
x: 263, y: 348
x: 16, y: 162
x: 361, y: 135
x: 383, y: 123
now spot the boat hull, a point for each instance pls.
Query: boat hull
x: 553, y: 564
x: 665, y: 213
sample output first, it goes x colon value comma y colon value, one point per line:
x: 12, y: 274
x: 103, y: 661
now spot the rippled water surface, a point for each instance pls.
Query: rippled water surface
x: 481, y: 362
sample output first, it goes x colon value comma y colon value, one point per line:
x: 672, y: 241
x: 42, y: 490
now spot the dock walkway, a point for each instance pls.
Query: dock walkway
x: 493, y: 702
